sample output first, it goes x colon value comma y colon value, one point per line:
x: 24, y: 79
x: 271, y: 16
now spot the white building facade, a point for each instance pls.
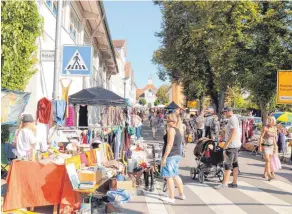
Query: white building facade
x: 83, y: 23
x: 124, y: 83
x: 148, y: 93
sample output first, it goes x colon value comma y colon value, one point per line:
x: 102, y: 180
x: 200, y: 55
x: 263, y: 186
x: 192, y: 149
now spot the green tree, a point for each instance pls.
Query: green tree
x: 200, y: 43
x: 162, y: 94
x: 21, y: 24
x: 157, y: 102
x: 270, y: 50
x: 142, y: 102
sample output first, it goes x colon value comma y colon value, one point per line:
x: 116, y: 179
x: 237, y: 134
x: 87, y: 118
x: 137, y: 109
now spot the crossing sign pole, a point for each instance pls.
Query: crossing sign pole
x: 77, y: 60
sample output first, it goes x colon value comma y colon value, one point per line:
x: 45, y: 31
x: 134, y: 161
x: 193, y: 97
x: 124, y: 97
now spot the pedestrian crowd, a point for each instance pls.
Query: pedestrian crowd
x: 182, y: 126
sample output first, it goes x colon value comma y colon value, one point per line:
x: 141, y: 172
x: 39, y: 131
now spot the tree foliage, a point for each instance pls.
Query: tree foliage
x: 270, y: 51
x: 21, y: 24
x: 162, y: 94
x: 212, y: 46
x: 142, y: 102
x: 199, y: 45
x: 157, y: 102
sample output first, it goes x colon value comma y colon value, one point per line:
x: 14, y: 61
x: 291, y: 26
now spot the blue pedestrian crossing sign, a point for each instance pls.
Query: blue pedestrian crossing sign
x: 77, y: 60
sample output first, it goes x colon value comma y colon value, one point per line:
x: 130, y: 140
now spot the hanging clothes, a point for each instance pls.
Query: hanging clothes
x: 59, y: 109
x: 117, y: 143
x: 84, y: 137
x: 83, y: 116
x: 69, y: 122
x: 65, y: 93
x: 45, y: 112
x: 89, y: 136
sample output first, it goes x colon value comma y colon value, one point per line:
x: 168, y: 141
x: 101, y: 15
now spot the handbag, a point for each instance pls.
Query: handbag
x: 275, y: 163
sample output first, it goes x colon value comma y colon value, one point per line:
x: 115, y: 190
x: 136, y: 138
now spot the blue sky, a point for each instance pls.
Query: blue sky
x: 137, y: 22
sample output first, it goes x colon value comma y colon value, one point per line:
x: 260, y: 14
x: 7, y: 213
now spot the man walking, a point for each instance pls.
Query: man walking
x: 154, y: 122
x: 209, y: 120
x: 231, y: 148
x: 200, y: 124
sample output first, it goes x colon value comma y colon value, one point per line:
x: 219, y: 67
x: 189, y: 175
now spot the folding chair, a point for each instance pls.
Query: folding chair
x: 9, y: 153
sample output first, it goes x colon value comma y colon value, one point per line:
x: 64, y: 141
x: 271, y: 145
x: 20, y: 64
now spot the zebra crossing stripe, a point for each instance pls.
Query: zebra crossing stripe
x: 214, y: 199
x: 281, y: 185
x: 154, y: 204
x: 264, y: 198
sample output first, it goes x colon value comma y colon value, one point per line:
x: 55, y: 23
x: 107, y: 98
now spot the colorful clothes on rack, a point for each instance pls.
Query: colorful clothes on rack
x: 45, y: 112
x: 117, y: 143
x: 70, y: 119
x: 83, y: 116
x: 59, y: 109
x: 65, y: 93
x: 88, y: 140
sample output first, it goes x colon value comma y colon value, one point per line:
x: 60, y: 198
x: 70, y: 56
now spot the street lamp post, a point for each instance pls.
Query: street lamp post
x: 57, y: 62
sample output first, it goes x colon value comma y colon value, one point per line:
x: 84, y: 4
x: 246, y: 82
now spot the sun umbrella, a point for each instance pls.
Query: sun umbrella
x: 277, y: 114
x: 285, y: 117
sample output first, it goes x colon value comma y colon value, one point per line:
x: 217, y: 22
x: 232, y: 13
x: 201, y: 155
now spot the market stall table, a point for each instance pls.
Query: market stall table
x: 32, y: 184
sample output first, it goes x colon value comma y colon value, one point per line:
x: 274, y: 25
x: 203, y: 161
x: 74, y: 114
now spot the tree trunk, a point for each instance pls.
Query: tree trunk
x: 202, y: 98
x: 221, y: 102
x: 264, y: 112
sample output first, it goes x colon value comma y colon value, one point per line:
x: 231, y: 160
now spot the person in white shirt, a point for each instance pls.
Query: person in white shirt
x: 200, y: 124
x: 25, y: 137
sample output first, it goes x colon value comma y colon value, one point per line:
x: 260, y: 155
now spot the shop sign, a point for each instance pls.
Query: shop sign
x: 77, y: 60
x: 192, y: 104
x: 47, y: 56
x: 284, y: 87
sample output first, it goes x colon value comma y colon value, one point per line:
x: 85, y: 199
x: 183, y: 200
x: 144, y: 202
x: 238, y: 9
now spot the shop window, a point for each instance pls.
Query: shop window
x: 74, y: 25
x: 53, y: 6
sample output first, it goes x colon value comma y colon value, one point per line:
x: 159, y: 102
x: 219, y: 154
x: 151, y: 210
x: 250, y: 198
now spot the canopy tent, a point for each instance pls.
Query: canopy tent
x: 160, y: 106
x: 172, y: 105
x: 96, y: 96
x: 137, y: 105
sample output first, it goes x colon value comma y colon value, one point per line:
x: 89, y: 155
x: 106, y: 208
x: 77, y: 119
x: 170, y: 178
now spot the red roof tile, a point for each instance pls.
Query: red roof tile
x: 140, y: 91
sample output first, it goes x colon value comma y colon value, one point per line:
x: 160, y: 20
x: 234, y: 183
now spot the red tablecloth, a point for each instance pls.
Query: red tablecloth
x: 31, y: 184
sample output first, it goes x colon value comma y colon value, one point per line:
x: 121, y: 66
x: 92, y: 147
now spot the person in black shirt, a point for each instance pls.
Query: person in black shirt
x: 171, y: 156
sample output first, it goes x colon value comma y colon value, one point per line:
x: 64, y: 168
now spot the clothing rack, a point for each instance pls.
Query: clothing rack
x: 87, y: 127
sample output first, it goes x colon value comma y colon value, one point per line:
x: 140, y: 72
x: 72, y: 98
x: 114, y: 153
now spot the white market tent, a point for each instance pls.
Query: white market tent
x: 137, y: 105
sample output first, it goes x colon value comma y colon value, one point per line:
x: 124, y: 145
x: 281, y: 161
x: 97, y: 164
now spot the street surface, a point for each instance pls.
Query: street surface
x: 254, y: 194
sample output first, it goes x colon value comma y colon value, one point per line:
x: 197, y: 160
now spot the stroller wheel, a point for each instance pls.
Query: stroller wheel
x: 220, y: 175
x: 201, y: 176
x: 193, y: 173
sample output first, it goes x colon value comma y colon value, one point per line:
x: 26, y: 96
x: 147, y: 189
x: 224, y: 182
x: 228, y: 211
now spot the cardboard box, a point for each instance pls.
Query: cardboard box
x: 88, y: 176
x: 129, y: 186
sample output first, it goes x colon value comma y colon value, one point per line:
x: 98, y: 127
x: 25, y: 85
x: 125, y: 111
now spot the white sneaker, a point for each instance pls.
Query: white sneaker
x: 181, y: 197
x: 221, y: 186
x: 168, y: 200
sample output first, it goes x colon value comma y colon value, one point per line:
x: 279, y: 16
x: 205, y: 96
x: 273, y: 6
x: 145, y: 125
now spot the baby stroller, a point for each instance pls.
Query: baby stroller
x: 209, y: 159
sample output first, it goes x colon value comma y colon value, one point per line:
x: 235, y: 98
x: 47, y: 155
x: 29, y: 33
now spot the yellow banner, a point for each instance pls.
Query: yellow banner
x: 192, y: 104
x: 284, y: 87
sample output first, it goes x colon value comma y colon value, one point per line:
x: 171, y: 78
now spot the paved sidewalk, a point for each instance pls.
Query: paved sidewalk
x: 254, y: 194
